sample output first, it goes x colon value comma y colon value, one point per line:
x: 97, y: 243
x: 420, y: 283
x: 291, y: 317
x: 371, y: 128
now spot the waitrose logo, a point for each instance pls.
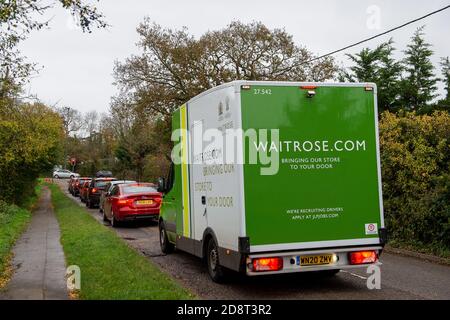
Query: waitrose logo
x: 310, y: 146
x: 261, y: 147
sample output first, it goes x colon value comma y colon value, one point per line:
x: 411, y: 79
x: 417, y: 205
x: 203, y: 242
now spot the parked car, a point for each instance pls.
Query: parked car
x: 129, y: 202
x: 78, y: 183
x: 71, y: 184
x: 64, y: 174
x: 103, y: 174
x: 108, y: 188
x: 84, y: 189
x: 95, y: 187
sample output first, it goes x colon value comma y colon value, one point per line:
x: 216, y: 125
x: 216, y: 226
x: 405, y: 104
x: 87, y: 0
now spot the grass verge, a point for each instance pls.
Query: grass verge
x: 109, y: 268
x: 13, y: 221
x: 430, y: 249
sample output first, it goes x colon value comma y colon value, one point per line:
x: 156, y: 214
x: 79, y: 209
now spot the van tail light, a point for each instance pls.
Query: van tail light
x: 267, y: 264
x: 308, y: 87
x: 363, y: 257
x: 94, y: 190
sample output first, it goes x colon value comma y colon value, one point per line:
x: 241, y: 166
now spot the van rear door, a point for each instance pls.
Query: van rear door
x: 325, y: 190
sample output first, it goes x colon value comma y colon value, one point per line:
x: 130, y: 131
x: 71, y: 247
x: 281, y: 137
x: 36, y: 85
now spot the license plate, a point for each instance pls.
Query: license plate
x: 315, y: 260
x: 144, y: 202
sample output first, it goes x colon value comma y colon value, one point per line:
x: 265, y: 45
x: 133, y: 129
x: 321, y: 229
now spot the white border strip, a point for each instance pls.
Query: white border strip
x: 314, y: 244
x: 377, y: 142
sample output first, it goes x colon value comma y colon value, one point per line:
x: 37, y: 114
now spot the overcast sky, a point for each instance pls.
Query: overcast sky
x: 77, y: 68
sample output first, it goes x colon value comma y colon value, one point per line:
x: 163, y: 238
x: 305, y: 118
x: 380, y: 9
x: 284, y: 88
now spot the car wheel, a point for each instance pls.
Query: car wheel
x: 72, y: 176
x: 217, y: 273
x: 56, y: 176
x: 166, y: 246
x: 114, y: 222
x: 105, y: 218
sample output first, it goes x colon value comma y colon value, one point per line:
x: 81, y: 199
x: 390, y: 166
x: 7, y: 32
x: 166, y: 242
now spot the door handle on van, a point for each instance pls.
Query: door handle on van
x: 203, y: 200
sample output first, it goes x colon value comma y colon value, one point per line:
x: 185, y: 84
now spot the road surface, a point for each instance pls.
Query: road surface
x: 401, y: 277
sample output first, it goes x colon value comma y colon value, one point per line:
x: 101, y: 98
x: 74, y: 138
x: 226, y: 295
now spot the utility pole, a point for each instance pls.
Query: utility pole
x: 66, y: 126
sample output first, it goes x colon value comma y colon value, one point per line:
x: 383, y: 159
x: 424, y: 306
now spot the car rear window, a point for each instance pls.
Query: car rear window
x: 138, y: 189
x: 101, y: 184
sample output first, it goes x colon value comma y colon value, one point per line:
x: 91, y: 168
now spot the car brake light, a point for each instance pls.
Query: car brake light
x: 363, y: 257
x: 267, y: 264
x: 93, y: 190
x: 125, y: 201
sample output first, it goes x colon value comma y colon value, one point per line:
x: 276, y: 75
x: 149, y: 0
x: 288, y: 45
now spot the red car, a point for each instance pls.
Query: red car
x: 134, y: 201
x: 76, y: 184
x: 84, y: 189
x: 95, y: 188
x: 70, y: 184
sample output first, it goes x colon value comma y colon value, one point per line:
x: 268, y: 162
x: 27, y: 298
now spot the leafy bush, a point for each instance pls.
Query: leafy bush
x: 415, y: 157
x: 30, y: 142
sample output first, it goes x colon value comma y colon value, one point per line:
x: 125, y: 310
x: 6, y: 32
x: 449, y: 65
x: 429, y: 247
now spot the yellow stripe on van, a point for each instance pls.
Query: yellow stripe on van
x: 184, y: 171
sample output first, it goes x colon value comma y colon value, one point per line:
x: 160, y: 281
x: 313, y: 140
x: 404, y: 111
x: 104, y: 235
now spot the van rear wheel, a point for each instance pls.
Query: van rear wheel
x: 166, y: 246
x: 217, y: 273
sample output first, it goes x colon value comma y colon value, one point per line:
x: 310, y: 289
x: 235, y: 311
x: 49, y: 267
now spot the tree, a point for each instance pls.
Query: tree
x: 444, y: 104
x: 377, y: 65
x: 30, y: 143
x: 389, y: 79
x: 17, y: 19
x: 14, y: 69
x: 133, y: 148
x: 91, y: 122
x: 415, y: 157
x: 72, y: 120
x: 419, y: 85
x: 22, y: 14
x: 366, y: 65
x: 174, y: 66
x: 445, y: 65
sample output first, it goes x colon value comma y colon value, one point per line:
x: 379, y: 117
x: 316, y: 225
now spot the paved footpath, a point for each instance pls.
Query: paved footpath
x: 39, y: 258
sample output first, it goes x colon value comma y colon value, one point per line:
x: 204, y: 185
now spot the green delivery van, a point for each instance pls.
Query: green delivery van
x: 276, y: 177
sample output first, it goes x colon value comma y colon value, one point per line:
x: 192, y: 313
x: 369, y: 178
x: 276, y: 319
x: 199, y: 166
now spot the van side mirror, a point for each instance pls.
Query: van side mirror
x: 161, y: 184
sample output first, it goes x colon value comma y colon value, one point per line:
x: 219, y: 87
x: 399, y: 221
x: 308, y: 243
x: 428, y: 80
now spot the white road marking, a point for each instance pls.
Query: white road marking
x: 354, y: 274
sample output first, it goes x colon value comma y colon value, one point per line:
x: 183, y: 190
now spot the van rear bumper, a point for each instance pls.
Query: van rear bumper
x: 291, y: 264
